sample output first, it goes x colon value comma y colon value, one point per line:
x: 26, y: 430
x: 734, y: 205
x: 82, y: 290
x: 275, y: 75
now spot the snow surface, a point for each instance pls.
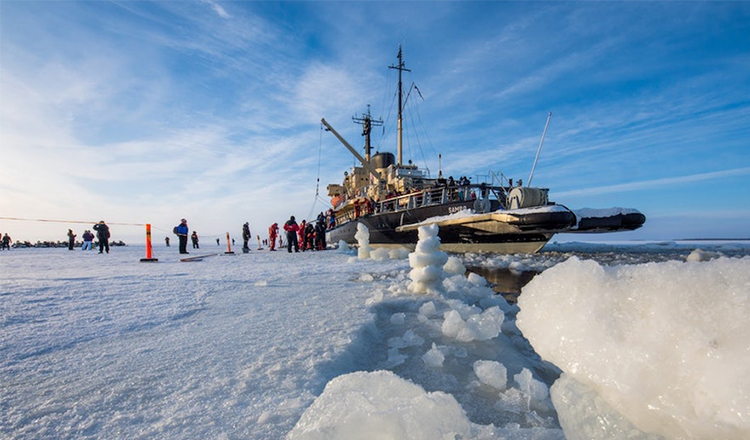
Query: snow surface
x: 328, y: 345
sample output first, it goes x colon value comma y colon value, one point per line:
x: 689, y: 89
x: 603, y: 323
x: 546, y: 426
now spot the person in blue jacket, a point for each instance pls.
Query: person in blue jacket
x: 181, y: 231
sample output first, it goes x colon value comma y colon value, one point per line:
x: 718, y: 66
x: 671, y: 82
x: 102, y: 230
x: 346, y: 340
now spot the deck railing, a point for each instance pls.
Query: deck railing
x: 427, y: 197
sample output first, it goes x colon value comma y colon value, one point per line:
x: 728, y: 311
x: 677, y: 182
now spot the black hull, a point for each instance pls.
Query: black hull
x: 615, y: 223
x: 527, y: 234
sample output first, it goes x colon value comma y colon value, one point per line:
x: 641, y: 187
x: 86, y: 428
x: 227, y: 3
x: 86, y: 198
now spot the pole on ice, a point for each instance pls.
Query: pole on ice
x: 149, y: 257
x: 229, y: 246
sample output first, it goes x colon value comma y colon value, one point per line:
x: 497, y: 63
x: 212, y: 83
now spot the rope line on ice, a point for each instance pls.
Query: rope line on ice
x: 67, y: 221
x: 44, y: 220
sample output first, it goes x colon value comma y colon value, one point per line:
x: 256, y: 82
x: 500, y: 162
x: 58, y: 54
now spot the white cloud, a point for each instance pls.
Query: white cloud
x: 218, y: 9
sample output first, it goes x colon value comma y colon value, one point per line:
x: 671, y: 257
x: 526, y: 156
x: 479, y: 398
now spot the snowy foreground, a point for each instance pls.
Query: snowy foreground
x: 374, y: 345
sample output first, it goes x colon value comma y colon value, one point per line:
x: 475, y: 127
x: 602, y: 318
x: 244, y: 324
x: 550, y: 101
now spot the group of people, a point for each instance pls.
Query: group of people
x: 305, y: 236
x: 102, y: 235
x: 182, y: 231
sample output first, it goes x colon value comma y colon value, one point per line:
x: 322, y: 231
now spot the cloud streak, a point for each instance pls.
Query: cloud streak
x: 657, y: 183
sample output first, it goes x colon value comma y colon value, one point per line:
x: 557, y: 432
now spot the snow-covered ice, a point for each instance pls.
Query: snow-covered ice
x: 329, y: 345
x: 666, y: 344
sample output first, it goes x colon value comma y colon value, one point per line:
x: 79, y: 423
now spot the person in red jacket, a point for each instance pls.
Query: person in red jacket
x: 273, y: 231
x: 292, y: 228
x: 301, y: 235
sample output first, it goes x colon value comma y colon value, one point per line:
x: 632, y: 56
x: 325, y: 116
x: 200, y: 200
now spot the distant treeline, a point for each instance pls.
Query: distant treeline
x: 60, y: 244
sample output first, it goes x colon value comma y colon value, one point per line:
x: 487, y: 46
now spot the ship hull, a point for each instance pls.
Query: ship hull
x: 614, y: 223
x: 492, y: 233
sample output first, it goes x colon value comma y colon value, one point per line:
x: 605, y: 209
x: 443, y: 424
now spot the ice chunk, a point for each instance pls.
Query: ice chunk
x: 535, y: 391
x: 452, y: 324
x: 380, y: 405
x: 663, y: 344
x: 454, y: 266
x: 343, y: 247
x: 376, y: 297
x: 411, y: 339
x: 477, y: 279
x: 584, y: 415
x: 491, y: 373
x: 398, y: 318
x: 398, y: 253
x: 478, y: 327
x: 701, y: 255
x: 434, y: 357
x: 380, y: 254
x: 428, y: 310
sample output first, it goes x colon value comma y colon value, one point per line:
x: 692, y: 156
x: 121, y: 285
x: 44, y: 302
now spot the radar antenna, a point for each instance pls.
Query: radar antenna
x: 367, y: 123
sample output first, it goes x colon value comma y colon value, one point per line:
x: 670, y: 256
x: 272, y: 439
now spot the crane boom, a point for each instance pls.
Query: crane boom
x: 359, y: 157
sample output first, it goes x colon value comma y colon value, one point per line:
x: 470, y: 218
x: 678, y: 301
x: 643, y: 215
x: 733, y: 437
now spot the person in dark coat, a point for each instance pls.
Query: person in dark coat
x: 181, y: 231
x: 320, y: 234
x: 71, y: 239
x: 246, y: 236
x: 88, y: 238
x: 194, y: 238
x: 292, y: 228
x: 309, y: 237
x: 102, y: 234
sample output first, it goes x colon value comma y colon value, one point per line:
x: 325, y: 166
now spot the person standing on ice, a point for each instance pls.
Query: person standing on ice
x: 273, y: 231
x: 6, y: 242
x: 320, y: 232
x: 181, y: 231
x: 301, y: 235
x: 310, y: 237
x: 71, y: 239
x: 194, y: 238
x: 246, y: 236
x: 102, y: 234
x: 166, y: 240
x: 88, y: 237
x: 292, y: 228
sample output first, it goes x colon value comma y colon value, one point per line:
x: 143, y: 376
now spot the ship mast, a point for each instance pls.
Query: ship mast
x: 400, y: 67
x: 367, y: 123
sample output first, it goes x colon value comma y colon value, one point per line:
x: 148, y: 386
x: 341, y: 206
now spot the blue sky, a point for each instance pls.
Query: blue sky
x: 147, y: 112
